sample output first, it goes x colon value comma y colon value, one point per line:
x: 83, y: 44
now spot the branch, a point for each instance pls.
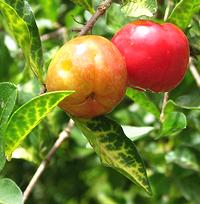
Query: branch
x: 61, y: 32
x: 99, y: 12
x: 165, y: 99
x: 62, y: 136
x: 66, y: 132
x: 195, y: 73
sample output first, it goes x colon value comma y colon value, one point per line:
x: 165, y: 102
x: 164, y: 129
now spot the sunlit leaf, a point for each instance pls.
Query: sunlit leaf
x: 135, y: 133
x: 114, y: 148
x: 28, y: 116
x: 135, y: 8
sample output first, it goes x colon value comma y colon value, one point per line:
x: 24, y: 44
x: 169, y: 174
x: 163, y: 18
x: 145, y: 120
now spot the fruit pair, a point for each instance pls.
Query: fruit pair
x: 150, y: 56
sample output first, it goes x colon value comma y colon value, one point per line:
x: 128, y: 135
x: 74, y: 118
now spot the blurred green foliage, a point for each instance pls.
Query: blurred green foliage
x: 75, y: 175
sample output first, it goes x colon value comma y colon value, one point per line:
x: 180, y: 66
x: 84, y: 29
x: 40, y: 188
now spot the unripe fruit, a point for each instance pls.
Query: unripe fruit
x: 94, y: 68
x: 156, y: 55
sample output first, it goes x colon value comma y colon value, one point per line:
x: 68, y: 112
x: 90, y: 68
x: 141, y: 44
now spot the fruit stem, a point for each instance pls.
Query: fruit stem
x: 165, y: 99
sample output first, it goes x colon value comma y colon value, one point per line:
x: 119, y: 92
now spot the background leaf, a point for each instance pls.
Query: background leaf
x: 8, y: 94
x: 10, y: 192
x: 115, y: 149
x: 173, y: 123
x: 21, y: 23
x: 136, y: 8
x: 28, y: 116
x: 87, y: 4
x: 189, y: 187
x: 140, y: 98
x: 184, y: 157
x: 183, y: 12
x: 114, y: 23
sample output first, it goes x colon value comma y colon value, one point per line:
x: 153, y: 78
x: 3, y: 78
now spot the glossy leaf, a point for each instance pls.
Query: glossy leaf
x: 141, y: 98
x: 21, y: 24
x: 28, y: 116
x: 135, y: 133
x: 115, y: 149
x: 173, y: 123
x: 136, y: 8
x: 87, y: 4
x: 10, y: 193
x: 183, y: 12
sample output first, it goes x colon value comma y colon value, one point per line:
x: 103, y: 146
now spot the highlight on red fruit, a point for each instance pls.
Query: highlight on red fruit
x: 156, y: 55
x: 94, y: 68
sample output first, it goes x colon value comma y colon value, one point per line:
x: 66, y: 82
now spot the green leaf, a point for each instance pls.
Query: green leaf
x: 50, y: 8
x: 135, y: 133
x: 141, y: 99
x: 21, y: 24
x: 2, y: 156
x: 87, y: 4
x: 184, y: 157
x: 191, y: 102
x: 173, y: 122
x: 10, y: 193
x: 114, y: 23
x: 189, y: 187
x: 8, y: 94
x: 183, y: 102
x: 183, y: 12
x: 114, y: 148
x: 28, y: 116
x: 136, y: 8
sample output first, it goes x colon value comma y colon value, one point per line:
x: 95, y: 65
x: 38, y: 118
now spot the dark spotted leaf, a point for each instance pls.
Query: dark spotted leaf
x: 115, y: 149
x: 28, y: 116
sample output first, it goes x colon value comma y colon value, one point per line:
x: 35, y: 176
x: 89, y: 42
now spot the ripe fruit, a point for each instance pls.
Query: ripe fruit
x: 94, y: 68
x: 156, y: 55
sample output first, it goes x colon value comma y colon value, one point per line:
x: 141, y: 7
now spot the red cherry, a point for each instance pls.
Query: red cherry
x: 156, y: 55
